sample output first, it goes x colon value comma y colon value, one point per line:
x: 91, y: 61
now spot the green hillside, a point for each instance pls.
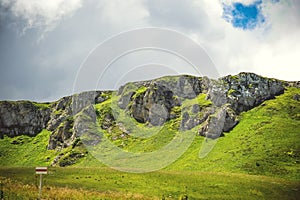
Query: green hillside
x: 259, y: 158
x: 266, y: 142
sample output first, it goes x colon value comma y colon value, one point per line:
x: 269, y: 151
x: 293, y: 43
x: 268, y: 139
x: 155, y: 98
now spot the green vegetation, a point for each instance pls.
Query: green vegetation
x: 137, y: 137
x: 129, y: 87
x: 258, y: 159
x: 199, y: 100
x: 26, y: 151
x: 42, y: 106
x: 235, y: 77
x: 231, y: 91
x: 266, y: 142
x: 140, y: 91
x: 97, y: 183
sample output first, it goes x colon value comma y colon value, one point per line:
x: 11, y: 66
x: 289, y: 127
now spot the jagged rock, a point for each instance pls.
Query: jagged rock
x: 22, y: 118
x: 213, y: 126
x: 196, y: 108
x: 184, y: 86
x: 158, y: 114
x: 296, y: 97
x: 188, y: 122
x: 247, y: 90
x: 61, y: 109
x: 125, y: 99
x: 85, y: 126
x: 61, y: 120
x: 188, y: 87
x: 231, y: 120
x: 220, y: 120
x: 154, y: 105
x: 292, y: 84
x: 62, y: 136
x: 217, y: 93
x: 82, y: 100
x: 108, y: 121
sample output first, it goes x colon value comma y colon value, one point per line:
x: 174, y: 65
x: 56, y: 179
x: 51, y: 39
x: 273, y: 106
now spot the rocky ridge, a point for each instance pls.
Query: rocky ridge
x: 215, y: 105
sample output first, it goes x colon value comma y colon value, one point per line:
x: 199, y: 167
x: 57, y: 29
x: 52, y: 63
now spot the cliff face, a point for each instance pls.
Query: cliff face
x: 213, y: 104
x: 22, y: 117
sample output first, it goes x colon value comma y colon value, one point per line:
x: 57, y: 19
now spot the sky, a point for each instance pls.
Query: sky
x: 45, y: 44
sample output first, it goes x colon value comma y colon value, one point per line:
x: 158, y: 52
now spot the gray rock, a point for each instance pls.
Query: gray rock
x: 22, y: 118
x: 292, y: 84
x: 125, y: 99
x: 63, y: 136
x: 231, y: 119
x: 296, y: 97
x: 247, y: 90
x: 86, y: 128
x: 154, y: 105
x: 222, y: 119
x: 213, y: 126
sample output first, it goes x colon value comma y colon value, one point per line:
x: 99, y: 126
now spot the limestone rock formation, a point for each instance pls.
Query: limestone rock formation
x: 247, y: 90
x: 213, y: 106
x: 22, y: 117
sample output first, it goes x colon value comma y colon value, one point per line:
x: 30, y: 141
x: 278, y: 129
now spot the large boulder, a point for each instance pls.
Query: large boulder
x: 221, y: 120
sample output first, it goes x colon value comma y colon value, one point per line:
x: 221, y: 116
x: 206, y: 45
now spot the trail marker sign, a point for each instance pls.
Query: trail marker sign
x: 41, y: 170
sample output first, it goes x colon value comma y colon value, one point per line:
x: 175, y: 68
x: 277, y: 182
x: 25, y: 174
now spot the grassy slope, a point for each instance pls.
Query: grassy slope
x: 26, y: 151
x: 265, y: 142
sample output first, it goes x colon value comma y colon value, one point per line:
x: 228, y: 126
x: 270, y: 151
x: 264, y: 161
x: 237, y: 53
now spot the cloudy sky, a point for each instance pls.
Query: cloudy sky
x: 44, y: 44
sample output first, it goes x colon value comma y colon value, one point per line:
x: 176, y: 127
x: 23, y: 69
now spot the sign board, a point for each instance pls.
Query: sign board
x: 41, y: 170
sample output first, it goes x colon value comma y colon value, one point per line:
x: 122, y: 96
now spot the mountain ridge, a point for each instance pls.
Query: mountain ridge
x: 186, y: 101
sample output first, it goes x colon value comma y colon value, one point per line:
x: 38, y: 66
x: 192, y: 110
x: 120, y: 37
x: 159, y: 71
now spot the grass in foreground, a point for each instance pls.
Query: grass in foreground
x: 104, y: 183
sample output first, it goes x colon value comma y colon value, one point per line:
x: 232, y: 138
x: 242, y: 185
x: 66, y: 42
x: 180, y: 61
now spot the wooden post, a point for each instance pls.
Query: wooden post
x: 41, y: 171
x: 40, y: 186
x: 1, y: 191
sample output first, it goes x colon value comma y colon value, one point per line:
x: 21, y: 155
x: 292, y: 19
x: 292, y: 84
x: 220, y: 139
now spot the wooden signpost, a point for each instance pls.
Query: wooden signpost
x: 41, y: 171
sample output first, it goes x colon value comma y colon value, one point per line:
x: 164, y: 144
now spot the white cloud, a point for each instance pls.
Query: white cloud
x: 270, y: 50
x: 74, y: 27
x: 245, y: 2
x: 41, y: 14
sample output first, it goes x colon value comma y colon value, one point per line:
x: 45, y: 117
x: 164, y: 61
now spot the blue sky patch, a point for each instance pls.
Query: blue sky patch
x: 244, y: 16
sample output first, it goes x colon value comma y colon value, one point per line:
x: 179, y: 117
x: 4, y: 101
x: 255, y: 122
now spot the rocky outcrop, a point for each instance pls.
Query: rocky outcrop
x: 65, y: 111
x: 154, y: 104
x: 247, y: 90
x: 292, y: 84
x: 23, y: 117
x: 189, y: 121
x: 221, y: 120
x: 229, y: 95
x: 232, y: 95
x: 151, y: 102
